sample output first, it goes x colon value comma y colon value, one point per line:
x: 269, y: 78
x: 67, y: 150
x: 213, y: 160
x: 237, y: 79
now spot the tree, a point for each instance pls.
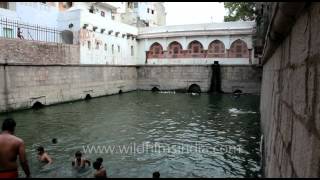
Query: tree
x: 244, y: 11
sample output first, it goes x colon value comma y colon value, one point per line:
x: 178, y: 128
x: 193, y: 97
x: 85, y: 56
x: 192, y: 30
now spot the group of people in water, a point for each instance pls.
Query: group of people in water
x: 12, y: 147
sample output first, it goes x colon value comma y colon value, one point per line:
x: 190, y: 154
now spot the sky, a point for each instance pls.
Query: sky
x: 194, y: 12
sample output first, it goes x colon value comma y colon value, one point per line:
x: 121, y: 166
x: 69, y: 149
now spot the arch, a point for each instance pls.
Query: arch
x: 37, y: 105
x: 155, y: 49
x: 216, y: 49
x: 195, y: 47
x: 194, y: 88
x: 239, y: 49
x: 155, y: 89
x: 88, y: 97
x: 175, y: 48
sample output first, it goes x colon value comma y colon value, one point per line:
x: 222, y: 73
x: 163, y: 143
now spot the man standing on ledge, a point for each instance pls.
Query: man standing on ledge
x: 11, y: 147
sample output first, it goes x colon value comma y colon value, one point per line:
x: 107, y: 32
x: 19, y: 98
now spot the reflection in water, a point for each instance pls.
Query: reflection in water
x: 197, y: 136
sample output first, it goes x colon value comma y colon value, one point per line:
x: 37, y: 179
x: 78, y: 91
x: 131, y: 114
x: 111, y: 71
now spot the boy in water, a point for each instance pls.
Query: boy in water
x: 156, y: 175
x: 100, y: 170
x: 80, y: 162
x: 43, y: 156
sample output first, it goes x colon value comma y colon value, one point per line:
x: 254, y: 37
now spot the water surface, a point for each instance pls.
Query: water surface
x: 193, y: 131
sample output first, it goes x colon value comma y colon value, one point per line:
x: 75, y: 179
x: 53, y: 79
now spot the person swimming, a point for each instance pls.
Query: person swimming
x: 100, y: 170
x: 156, y: 175
x: 43, y: 156
x: 79, y: 161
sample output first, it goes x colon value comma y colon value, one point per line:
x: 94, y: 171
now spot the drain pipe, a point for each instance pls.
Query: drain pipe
x: 283, y: 18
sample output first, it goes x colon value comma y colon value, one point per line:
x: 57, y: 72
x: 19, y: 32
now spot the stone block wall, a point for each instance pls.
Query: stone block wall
x: 2, y: 89
x: 35, y: 52
x: 290, y: 101
x: 172, y: 77
x: 241, y: 77
x: 246, y: 78
x: 52, y: 84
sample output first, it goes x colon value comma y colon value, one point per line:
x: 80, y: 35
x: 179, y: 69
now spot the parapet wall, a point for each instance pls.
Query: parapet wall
x: 290, y: 101
x: 18, y: 51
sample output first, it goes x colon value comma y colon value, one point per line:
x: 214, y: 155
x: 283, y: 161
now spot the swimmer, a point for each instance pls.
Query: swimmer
x: 80, y: 162
x: 100, y: 170
x: 43, y: 156
x: 156, y: 175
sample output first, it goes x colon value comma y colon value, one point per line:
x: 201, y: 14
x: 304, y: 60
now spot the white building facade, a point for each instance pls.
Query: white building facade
x: 130, y: 33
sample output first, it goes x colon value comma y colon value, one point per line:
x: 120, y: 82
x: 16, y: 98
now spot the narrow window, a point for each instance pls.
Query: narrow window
x: 152, y: 11
x: 89, y: 45
x: 118, y: 48
x: 135, y: 4
x: 8, y: 32
x: 132, y: 53
x: 105, y: 47
x: 148, y: 10
x: 97, y: 45
x: 102, y: 14
x: 112, y: 48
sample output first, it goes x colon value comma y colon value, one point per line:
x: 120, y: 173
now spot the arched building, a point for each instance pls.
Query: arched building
x: 227, y: 42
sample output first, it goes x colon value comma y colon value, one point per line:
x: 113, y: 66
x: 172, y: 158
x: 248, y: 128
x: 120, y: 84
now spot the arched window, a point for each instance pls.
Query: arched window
x: 195, y: 47
x: 175, y: 48
x: 155, y: 49
x: 239, y: 49
x: 216, y: 49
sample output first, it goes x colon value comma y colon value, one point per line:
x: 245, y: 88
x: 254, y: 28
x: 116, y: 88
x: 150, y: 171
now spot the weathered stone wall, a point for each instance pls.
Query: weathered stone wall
x: 35, y: 52
x: 290, y: 101
x: 2, y: 89
x: 241, y: 77
x: 52, y: 84
x: 174, y: 77
x: 170, y: 77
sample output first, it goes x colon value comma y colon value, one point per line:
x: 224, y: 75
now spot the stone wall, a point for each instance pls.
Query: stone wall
x: 241, y: 77
x: 171, y: 77
x: 290, y: 101
x: 23, y: 85
x: 35, y: 52
x: 174, y: 77
x: 52, y: 84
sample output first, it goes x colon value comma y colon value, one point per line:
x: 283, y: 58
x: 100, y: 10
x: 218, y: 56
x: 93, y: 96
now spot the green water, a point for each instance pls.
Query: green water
x: 194, y: 132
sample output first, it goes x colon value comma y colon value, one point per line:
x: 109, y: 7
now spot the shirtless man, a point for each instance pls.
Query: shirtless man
x: 43, y: 156
x: 80, y: 162
x: 100, y: 170
x: 11, y: 147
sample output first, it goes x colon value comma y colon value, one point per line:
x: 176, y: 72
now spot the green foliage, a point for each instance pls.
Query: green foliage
x: 244, y: 11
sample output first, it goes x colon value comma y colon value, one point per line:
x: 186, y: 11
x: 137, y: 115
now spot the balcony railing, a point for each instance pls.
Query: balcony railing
x: 15, y: 29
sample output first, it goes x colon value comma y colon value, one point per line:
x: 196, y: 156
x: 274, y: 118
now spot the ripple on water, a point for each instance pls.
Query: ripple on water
x: 204, y: 121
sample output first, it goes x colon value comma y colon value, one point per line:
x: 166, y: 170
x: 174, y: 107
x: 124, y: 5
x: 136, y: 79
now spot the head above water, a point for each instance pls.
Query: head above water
x: 96, y: 165
x: 9, y: 124
x: 78, y: 154
x: 99, y: 159
x: 156, y: 175
x: 40, y: 150
x: 54, y: 140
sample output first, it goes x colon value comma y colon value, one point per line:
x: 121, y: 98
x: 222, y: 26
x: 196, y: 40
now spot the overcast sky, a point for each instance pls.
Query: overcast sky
x: 194, y: 12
